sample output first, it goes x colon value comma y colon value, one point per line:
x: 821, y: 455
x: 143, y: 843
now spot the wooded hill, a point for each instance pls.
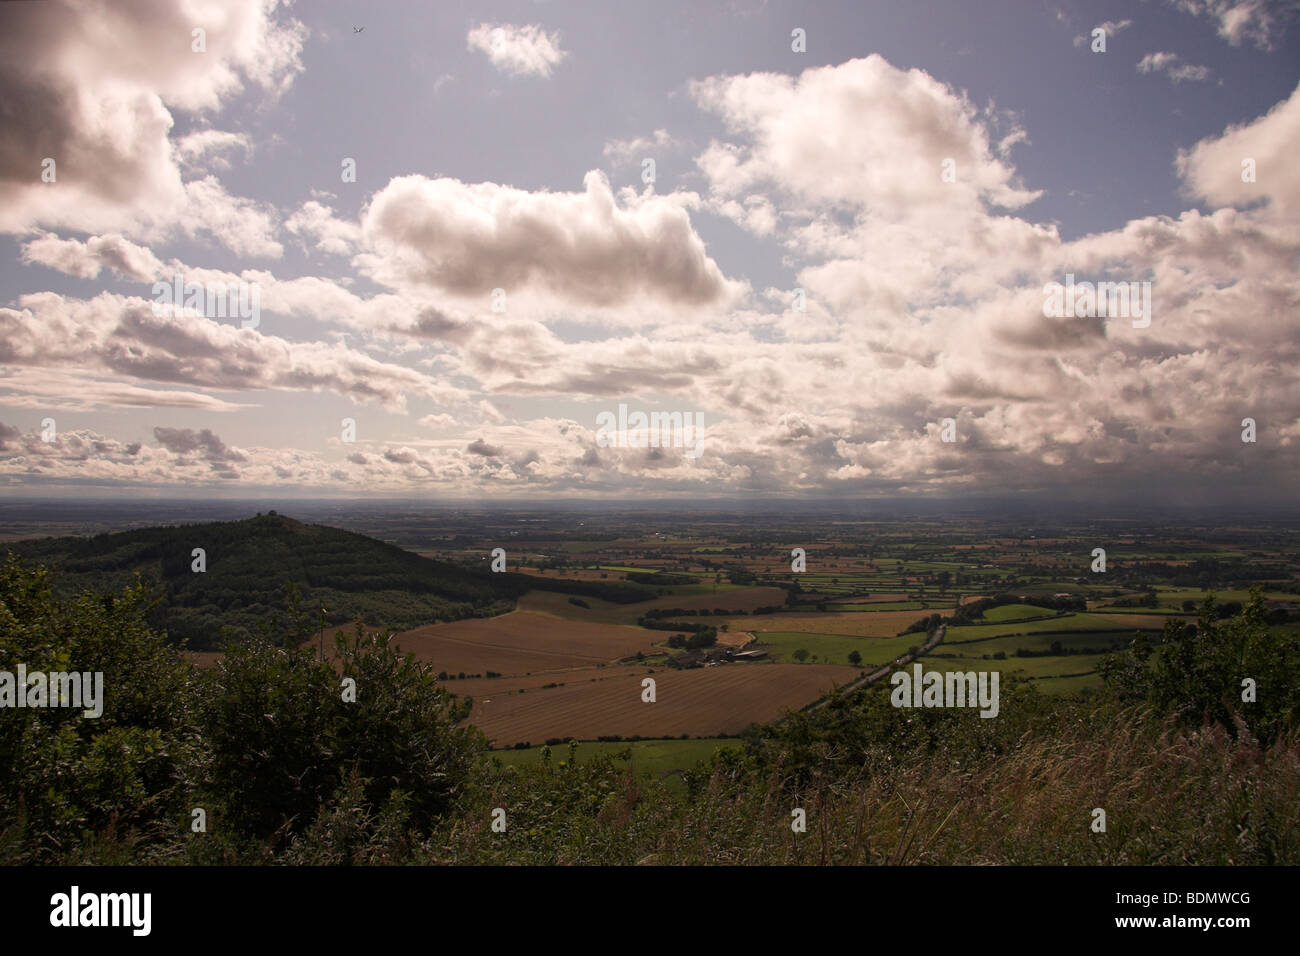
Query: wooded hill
x: 273, y: 571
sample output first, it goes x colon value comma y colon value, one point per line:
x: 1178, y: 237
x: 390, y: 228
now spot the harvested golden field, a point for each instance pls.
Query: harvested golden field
x: 699, y: 702
x: 735, y: 638
x: 596, y: 611
x: 521, y: 642
x: 477, y: 687
x: 857, y: 624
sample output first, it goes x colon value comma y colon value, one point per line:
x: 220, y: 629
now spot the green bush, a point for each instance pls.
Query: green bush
x: 282, y: 739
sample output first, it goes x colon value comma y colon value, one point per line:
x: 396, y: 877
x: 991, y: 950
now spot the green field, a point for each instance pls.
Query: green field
x: 1035, y: 667
x: 1066, y: 622
x: 835, y: 648
x: 1015, y: 612
x: 1176, y: 596
x: 1085, y: 641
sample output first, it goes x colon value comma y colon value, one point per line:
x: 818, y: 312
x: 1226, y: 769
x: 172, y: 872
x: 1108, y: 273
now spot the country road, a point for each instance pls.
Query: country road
x: 880, y: 672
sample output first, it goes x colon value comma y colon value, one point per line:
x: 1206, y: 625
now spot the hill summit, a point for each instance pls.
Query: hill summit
x: 257, y: 569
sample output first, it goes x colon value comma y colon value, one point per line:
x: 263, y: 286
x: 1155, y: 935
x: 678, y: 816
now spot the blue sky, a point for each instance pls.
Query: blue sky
x: 501, y: 146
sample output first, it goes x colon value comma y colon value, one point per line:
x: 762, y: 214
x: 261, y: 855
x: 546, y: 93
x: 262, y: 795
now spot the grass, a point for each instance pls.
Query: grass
x: 1036, y: 667
x: 1066, y: 622
x: 1014, y: 612
x: 1096, y: 641
x: 835, y: 648
x: 1068, y: 685
x: 1174, y: 796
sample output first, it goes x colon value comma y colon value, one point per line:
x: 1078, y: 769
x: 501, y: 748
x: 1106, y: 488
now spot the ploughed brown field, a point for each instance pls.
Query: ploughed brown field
x: 700, y: 702
x: 521, y: 642
x: 477, y: 687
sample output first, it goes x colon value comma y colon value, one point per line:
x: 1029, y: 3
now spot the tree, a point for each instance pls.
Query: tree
x: 71, y: 783
x: 1201, y: 667
x: 283, y: 740
x: 800, y: 655
x: 855, y: 658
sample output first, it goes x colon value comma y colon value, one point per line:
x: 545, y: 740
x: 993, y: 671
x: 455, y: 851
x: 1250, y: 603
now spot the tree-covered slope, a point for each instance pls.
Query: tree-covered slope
x: 259, y: 568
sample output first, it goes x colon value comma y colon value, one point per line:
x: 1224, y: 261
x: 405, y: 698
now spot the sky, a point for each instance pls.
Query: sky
x: 467, y: 237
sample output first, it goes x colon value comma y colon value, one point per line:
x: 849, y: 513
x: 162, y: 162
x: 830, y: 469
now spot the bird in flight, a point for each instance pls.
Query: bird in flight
x: 357, y: 29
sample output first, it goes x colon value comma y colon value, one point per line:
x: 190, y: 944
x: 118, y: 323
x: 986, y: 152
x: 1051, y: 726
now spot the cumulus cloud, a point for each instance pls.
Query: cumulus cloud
x: 316, y: 221
x: 809, y: 136
x: 86, y: 259
x: 187, y: 441
x: 469, y: 239
x: 517, y: 50
x: 1216, y: 168
x: 924, y: 301
x: 440, y: 421
x: 92, y: 88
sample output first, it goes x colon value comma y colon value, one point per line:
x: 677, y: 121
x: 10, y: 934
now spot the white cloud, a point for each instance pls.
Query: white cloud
x: 86, y: 259
x: 517, y: 50
x: 924, y: 302
x: 1169, y: 63
x: 1213, y: 167
x: 92, y: 87
x: 244, y: 226
x: 861, y: 134
x: 468, y: 239
x: 209, y: 148
x: 1257, y: 21
x: 624, y: 152
x: 316, y: 221
x: 120, y: 335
